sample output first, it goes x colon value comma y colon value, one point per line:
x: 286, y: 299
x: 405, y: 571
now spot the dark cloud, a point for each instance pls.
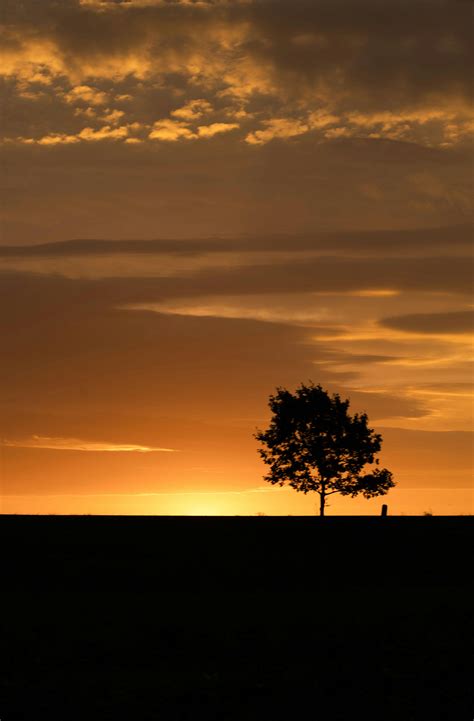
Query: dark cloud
x: 394, y: 54
x: 421, y: 241
x: 389, y: 54
x: 454, y: 322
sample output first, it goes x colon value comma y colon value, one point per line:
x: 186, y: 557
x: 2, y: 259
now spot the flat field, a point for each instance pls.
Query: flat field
x: 236, y: 618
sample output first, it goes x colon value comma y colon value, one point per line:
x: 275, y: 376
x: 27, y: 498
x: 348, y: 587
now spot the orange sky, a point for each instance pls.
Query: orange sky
x: 206, y: 200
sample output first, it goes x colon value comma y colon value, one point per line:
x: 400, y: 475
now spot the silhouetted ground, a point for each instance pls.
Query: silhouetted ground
x: 236, y: 618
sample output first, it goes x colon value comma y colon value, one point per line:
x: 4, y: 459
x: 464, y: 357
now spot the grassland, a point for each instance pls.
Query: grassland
x: 236, y: 618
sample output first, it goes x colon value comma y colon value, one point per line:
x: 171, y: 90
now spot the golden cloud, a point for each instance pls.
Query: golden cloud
x: 86, y: 113
x: 277, y: 128
x: 86, y: 94
x: 208, y: 131
x: 58, y: 139
x: 193, y: 110
x: 105, y: 133
x: 291, y: 127
x: 170, y: 130
x: 113, y: 117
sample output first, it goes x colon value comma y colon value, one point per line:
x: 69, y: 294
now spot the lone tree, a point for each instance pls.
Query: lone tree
x: 313, y: 444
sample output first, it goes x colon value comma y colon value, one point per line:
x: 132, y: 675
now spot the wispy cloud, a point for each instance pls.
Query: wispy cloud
x: 78, y: 444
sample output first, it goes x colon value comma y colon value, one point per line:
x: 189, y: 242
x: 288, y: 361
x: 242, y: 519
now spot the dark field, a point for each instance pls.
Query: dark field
x: 236, y: 618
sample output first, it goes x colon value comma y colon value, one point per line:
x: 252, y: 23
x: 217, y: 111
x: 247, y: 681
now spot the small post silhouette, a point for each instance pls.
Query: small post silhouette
x: 384, y: 509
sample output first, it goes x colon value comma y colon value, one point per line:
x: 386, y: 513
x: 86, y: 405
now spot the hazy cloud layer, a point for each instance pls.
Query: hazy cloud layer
x: 223, y: 188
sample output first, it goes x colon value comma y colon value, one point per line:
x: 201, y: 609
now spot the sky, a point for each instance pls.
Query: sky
x: 204, y: 201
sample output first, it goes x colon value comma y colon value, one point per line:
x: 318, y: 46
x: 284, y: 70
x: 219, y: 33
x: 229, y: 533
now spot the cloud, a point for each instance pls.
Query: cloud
x: 53, y: 139
x: 321, y: 119
x: 355, y: 263
x: 171, y: 130
x: 417, y: 242
x: 453, y: 322
x: 87, y: 95
x: 291, y: 127
x: 90, y: 113
x: 277, y: 128
x: 300, y: 70
x: 104, y: 133
x: 113, y: 117
x: 76, y: 444
x: 427, y: 126
x: 263, y: 63
x: 208, y: 131
x: 193, y: 110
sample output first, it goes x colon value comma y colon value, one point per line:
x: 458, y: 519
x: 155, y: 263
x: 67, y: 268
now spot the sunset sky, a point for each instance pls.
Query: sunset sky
x: 202, y: 201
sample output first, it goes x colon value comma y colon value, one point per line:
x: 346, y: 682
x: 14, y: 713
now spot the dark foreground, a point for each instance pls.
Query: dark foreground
x: 236, y: 618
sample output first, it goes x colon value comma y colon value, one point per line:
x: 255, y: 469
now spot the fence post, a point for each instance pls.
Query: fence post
x: 384, y: 509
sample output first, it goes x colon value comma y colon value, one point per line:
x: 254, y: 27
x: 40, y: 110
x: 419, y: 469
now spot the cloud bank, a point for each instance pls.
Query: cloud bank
x: 398, y: 71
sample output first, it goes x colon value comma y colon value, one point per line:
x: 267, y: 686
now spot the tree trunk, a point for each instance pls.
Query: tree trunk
x: 322, y: 503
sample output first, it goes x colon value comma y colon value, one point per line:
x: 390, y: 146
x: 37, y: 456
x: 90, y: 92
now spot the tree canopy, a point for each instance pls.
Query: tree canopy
x: 314, y: 444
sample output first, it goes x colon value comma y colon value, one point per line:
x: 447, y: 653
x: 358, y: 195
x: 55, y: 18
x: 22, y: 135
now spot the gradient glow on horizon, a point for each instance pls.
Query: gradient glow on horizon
x: 207, y: 200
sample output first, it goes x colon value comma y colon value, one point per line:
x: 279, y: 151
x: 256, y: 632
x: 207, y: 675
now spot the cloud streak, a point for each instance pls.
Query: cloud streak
x: 450, y: 323
x: 421, y: 242
x: 77, y: 444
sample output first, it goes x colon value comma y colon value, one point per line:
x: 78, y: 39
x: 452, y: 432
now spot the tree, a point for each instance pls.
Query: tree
x: 313, y: 444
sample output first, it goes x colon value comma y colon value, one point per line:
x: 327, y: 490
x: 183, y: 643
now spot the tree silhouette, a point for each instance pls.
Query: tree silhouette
x: 313, y: 444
